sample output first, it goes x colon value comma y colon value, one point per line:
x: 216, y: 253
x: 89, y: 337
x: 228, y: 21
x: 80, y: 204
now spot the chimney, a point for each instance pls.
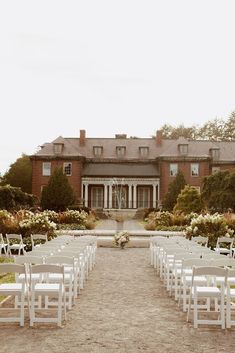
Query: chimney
x: 159, y: 138
x: 82, y: 139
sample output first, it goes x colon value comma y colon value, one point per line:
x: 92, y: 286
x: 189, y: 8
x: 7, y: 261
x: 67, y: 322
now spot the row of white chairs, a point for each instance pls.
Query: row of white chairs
x: 175, y: 259
x: 55, y: 271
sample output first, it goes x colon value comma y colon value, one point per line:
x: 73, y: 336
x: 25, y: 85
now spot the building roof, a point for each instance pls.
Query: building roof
x: 121, y: 169
x: 167, y: 148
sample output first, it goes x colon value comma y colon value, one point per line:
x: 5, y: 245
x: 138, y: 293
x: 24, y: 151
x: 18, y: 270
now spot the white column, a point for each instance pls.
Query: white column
x: 134, y: 197
x: 86, y: 194
x: 154, y: 195
x: 110, y: 195
x: 105, y: 195
x: 129, y: 196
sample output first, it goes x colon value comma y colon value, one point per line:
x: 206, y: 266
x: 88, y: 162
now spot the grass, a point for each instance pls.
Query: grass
x: 7, y: 277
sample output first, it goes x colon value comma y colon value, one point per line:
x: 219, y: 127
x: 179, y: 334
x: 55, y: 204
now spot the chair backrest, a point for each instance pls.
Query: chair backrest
x: 38, y: 237
x: 231, y: 273
x: 223, y: 261
x: 14, y: 237
x: 224, y: 240
x: 1, y: 239
x: 195, y: 262
x: 209, y: 271
x: 201, y: 240
x: 11, y: 268
x: 59, y: 260
x: 31, y: 259
x: 46, y: 268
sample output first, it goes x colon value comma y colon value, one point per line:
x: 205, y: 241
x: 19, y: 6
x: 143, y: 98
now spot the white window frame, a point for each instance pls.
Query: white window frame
x: 46, y: 168
x: 97, y: 151
x: 120, y: 151
x: 65, y: 165
x: 183, y: 148
x: 97, y: 196
x: 173, y: 169
x: 144, y: 192
x: 194, y: 169
x: 144, y: 151
x: 58, y: 148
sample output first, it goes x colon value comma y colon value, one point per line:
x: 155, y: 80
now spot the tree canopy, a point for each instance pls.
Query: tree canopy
x: 57, y: 195
x: 213, y: 130
x: 19, y: 174
x: 218, y: 191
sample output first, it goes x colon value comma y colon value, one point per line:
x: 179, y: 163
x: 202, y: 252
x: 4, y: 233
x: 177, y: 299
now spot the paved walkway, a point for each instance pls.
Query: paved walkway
x: 124, y: 308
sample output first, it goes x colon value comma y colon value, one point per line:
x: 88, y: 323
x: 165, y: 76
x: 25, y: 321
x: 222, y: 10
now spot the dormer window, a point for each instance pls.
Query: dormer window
x: 215, y: 153
x: 144, y: 151
x: 183, y: 148
x: 58, y: 147
x: 120, y: 151
x: 97, y: 151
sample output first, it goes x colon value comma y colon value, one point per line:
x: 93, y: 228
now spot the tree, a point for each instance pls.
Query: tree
x: 189, y: 200
x: 213, y: 130
x: 57, y: 195
x: 170, y: 132
x: 218, y: 191
x: 13, y: 198
x: 19, y: 174
x: 174, y: 190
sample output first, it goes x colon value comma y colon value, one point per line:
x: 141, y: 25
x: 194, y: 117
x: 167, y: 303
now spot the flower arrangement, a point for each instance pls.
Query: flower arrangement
x: 121, y: 239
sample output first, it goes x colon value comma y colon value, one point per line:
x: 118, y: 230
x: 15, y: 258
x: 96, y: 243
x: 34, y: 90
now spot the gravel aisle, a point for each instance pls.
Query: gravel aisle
x: 123, y: 308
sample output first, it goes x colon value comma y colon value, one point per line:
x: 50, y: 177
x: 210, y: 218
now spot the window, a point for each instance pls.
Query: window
x: 143, y: 197
x: 173, y: 169
x: 120, y: 151
x: 68, y: 168
x: 46, y: 168
x: 183, y: 149
x: 215, y: 170
x: 144, y: 151
x: 58, y: 148
x: 215, y: 153
x: 98, y: 151
x: 97, y: 197
x: 194, y: 169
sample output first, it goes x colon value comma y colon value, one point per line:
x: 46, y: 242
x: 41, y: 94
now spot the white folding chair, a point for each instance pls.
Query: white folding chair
x: 3, y: 245
x: 230, y: 299
x: 19, y: 290
x: 70, y: 275
x: 47, y: 289
x: 38, y: 239
x: 223, y: 249
x: 15, y: 242
x: 208, y: 291
x: 201, y: 240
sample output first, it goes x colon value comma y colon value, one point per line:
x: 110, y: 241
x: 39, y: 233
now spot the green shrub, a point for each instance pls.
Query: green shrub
x: 13, y: 198
x: 189, y: 200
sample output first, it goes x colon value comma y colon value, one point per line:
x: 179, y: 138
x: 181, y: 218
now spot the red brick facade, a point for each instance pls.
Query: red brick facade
x: 97, y: 163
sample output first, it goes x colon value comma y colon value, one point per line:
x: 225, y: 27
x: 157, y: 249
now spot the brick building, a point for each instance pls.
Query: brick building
x: 126, y: 172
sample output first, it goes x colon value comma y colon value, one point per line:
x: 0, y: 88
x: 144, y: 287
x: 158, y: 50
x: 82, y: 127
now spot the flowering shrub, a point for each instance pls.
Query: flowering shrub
x: 211, y: 226
x: 121, y: 239
x: 52, y: 215
x: 163, y: 220
x: 37, y: 223
x: 72, y: 216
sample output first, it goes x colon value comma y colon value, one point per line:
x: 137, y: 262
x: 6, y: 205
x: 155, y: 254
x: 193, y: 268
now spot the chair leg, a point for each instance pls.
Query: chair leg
x: 195, y: 312
x: 22, y: 310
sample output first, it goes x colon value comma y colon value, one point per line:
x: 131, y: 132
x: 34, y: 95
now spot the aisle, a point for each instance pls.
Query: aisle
x: 123, y: 309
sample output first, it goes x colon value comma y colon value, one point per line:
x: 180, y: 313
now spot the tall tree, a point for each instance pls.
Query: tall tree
x: 19, y: 174
x: 189, y: 200
x: 57, y: 195
x: 218, y: 191
x: 174, y: 190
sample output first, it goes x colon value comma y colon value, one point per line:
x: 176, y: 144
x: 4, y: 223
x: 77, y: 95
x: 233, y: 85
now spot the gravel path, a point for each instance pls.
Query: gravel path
x: 124, y: 308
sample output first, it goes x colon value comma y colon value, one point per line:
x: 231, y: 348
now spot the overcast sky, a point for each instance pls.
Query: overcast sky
x: 124, y: 66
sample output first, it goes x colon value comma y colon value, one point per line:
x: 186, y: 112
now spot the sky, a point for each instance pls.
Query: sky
x: 111, y: 66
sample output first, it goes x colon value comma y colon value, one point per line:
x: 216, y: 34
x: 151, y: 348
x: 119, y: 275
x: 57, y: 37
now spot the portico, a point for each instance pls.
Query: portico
x: 130, y: 193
